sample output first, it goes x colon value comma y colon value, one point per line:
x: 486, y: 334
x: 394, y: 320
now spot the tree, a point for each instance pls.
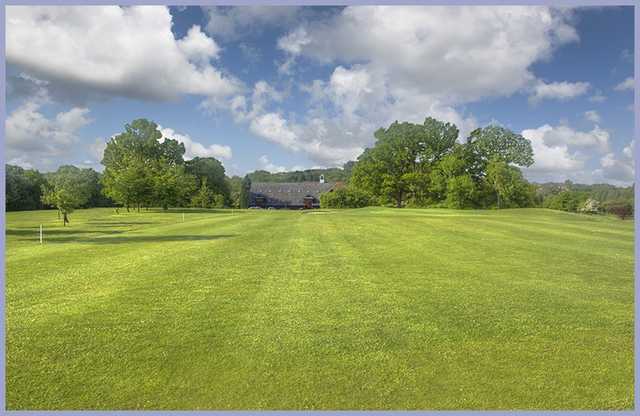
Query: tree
x: 460, y: 191
x: 448, y: 167
x: 204, y: 197
x: 235, y: 185
x: 130, y: 184
x: 402, y: 157
x: 245, y: 192
x: 496, y: 143
x: 345, y: 197
x: 97, y: 198
x: 134, y: 159
x: 622, y: 209
x: 218, y: 201
x: 23, y: 188
x: 171, y: 185
x: 211, y: 170
x: 568, y: 201
x: 67, y: 189
x: 510, y: 187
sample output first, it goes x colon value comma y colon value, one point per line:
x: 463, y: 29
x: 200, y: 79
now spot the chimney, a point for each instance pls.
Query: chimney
x: 321, y: 178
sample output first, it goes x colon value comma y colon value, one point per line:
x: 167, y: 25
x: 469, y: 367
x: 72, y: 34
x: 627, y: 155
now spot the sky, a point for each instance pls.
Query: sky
x: 285, y: 88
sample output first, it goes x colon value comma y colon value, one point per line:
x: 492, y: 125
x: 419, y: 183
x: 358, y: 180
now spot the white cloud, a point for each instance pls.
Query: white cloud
x: 593, y: 116
x: 263, y: 94
x: 112, y: 50
x: 597, y: 139
x: 233, y: 22
x: 550, y: 156
x: 558, y: 91
x: 292, y: 44
x: 198, y: 47
x: 274, y: 128
x: 629, y: 150
x: 194, y: 148
x: 96, y: 149
x: 619, y: 169
x: 427, y: 51
x: 266, y: 164
x: 560, y: 152
x: 626, y: 85
x: 294, y: 41
x: 32, y: 138
x: 319, y: 138
x: 359, y: 104
x: 597, y: 97
x: 19, y: 161
x: 408, y: 63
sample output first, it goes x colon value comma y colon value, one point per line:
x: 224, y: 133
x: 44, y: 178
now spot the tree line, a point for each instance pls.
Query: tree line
x: 420, y: 165
x: 589, y: 199
x: 141, y: 170
x: 412, y: 165
x: 425, y: 165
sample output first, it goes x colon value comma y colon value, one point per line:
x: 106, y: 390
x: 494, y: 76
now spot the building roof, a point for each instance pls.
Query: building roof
x: 288, y: 193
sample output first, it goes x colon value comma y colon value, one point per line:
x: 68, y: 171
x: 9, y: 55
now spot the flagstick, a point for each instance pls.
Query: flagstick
x: 40, y: 233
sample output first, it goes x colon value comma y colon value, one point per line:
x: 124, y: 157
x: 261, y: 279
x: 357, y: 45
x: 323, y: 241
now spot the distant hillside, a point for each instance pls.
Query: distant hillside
x: 599, y: 191
x: 309, y: 175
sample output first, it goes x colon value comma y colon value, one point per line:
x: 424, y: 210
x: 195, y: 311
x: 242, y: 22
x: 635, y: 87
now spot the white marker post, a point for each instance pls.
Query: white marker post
x: 40, y: 233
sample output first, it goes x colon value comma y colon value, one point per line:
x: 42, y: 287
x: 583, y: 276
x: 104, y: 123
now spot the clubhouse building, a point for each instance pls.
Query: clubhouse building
x: 291, y: 195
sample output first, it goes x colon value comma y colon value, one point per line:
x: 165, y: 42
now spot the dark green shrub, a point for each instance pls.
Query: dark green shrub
x: 621, y: 209
x: 344, y: 198
x: 569, y: 201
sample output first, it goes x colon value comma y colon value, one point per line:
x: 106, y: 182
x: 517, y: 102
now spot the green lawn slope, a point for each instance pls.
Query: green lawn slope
x: 356, y: 309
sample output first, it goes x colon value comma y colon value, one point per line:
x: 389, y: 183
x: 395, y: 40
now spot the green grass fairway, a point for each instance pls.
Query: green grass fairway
x: 357, y: 309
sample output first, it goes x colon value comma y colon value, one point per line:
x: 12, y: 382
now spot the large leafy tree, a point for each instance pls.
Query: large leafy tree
x: 97, y: 198
x: 23, y: 188
x: 204, y: 197
x: 449, y: 167
x: 130, y: 183
x: 460, y: 191
x: 67, y: 189
x: 402, y: 158
x: 136, y: 159
x: 510, y: 187
x: 210, y: 171
x: 496, y: 143
x: 171, y: 185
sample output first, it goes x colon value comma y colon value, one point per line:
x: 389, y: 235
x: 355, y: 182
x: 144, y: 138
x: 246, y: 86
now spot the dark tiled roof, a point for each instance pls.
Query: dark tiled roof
x: 289, y: 193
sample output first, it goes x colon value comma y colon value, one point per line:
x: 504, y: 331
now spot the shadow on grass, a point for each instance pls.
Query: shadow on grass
x: 187, y: 211
x: 21, y: 232
x: 132, y: 239
x: 118, y: 224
